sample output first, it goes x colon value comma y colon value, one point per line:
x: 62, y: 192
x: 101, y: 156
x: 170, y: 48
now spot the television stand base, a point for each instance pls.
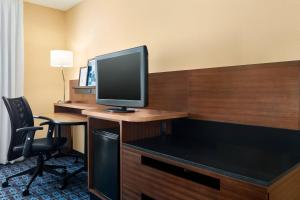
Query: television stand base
x: 120, y: 110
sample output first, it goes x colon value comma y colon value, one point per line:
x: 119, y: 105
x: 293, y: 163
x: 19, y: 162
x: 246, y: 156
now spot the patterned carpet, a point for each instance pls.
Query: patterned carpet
x: 45, y: 187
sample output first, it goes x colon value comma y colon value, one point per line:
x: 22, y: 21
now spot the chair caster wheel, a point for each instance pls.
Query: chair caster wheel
x: 63, y: 185
x: 5, y: 184
x: 25, y: 193
x: 76, y: 160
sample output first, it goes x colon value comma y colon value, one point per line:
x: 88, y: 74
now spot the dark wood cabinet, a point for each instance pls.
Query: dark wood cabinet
x: 139, y: 179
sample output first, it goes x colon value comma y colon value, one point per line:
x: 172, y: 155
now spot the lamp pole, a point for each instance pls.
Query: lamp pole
x: 61, y: 59
x: 63, y: 76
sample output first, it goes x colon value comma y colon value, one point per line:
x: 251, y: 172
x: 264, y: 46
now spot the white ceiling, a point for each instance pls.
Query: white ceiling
x: 57, y: 4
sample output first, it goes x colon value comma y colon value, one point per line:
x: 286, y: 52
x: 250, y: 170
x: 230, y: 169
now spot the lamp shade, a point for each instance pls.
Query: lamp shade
x: 61, y: 58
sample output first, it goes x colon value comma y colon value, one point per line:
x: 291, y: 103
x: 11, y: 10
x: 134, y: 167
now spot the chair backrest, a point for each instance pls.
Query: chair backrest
x: 20, y: 116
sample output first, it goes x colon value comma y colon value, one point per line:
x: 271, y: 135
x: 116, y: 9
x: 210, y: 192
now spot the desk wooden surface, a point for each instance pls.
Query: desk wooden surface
x: 80, y: 106
x: 140, y: 115
x: 66, y: 118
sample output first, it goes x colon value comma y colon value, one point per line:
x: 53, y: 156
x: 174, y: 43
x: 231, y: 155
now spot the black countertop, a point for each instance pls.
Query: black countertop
x: 248, y: 162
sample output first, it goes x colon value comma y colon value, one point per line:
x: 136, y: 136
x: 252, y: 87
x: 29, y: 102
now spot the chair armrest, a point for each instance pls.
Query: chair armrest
x: 30, y: 132
x: 28, y: 129
x: 49, y: 120
x: 45, y: 123
x: 42, y: 117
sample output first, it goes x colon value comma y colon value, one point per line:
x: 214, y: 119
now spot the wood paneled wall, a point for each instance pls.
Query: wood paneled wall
x: 259, y: 94
x: 168, y: 90
x: 79, y: 97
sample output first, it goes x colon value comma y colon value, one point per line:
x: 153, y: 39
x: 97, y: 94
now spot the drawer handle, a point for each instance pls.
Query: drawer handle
x: 146, y: 197
x: 182, y: 173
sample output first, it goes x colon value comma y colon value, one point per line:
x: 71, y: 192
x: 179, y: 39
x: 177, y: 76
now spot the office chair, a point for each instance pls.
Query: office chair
x: 22, y: 141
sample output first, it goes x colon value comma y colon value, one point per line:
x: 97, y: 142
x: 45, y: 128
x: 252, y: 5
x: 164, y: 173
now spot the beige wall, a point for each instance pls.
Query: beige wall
x: 43, y: 31
x: 187, y: 34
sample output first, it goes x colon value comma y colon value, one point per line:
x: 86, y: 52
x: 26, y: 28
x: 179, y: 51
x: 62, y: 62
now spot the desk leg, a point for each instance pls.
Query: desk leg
x: 84, y: 168
x: 163, y: 128
x: 58, y: 134
x: 85, y: 147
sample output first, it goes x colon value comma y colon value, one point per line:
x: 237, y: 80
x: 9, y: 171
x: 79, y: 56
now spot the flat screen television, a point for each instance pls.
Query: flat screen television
x: 122, y: 79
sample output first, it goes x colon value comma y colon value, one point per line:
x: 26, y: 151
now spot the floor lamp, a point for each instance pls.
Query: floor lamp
x: 61, y: 59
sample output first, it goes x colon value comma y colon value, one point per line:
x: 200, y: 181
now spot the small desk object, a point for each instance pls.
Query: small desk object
x: 69, y: 119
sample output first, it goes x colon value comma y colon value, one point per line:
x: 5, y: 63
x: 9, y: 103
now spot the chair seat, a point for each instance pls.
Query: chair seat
x: 42, y: 145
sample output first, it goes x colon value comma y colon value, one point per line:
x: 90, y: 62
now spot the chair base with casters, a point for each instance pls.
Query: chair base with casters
x: 41, y: 146
x: 37, y: 171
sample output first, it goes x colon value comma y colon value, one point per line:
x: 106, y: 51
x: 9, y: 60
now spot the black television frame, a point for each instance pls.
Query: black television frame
x: 121, y: 103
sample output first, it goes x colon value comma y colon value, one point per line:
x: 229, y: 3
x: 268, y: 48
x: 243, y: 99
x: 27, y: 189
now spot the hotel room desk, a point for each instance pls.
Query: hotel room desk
x: 251, y: 101
x: 139, y: 181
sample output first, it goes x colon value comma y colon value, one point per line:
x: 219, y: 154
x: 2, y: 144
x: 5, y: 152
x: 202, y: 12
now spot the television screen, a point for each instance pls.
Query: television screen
x: 122, y: 78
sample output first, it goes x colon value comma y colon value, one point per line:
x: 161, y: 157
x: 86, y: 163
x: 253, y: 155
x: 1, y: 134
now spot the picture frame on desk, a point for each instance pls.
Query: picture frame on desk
x: 83, y: 72
x: 91, y: 74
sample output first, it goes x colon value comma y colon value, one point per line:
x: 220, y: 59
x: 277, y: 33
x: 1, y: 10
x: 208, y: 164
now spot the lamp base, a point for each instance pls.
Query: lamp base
x: 61, y: 102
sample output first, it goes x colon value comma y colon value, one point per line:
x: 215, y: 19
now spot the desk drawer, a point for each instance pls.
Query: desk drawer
x: 147, y: 178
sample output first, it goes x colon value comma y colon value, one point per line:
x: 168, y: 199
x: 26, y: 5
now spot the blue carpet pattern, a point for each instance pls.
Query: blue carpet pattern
x: 45, y: 187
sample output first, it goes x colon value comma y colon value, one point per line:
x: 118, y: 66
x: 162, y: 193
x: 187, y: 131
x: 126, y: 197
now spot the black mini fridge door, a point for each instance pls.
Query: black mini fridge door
x: 106, y: 170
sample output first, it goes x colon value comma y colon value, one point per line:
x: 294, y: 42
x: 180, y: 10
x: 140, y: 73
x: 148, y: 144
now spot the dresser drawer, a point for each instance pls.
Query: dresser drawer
x: 145, y: 177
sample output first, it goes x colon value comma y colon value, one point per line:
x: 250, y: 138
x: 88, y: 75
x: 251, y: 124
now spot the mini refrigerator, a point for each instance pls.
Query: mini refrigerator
x: 106, y: 163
